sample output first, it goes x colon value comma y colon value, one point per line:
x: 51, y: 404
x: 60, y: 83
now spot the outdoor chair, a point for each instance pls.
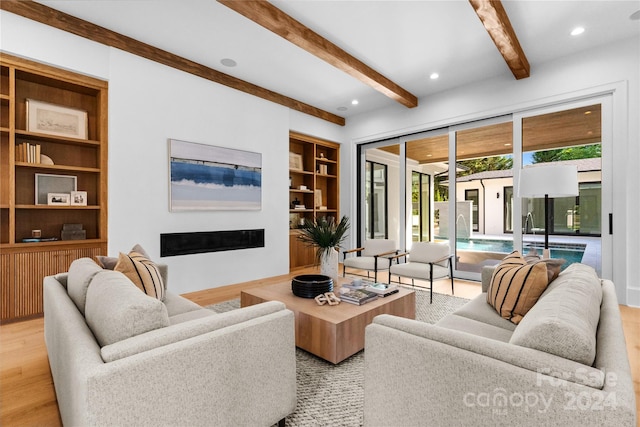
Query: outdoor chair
x: 426, y: 261
x: 374, y: 256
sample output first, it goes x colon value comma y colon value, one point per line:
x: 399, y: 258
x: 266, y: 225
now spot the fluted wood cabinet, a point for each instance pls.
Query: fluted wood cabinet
x: 81, y: 157
x: 314, y: 175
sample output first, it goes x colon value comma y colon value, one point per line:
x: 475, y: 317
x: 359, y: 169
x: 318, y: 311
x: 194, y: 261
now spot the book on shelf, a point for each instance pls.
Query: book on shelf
x: 357, y: 296
x: 299, y: 207
x: 28, y: 153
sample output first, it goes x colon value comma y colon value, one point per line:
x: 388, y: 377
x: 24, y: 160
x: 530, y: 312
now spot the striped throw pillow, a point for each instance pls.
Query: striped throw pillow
x: 142, y: 272
x: 516, y: 286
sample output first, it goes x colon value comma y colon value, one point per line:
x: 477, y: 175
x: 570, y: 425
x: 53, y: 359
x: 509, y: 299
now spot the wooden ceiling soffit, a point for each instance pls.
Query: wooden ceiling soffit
x: 495, y: 20
x: 62, y: 21
x: 273, y: 19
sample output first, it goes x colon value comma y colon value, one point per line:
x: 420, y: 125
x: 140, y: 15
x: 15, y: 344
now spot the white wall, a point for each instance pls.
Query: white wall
x: 150, y: 103
x: 576, y: 75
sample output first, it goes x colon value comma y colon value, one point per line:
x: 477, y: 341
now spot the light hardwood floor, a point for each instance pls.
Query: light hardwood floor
x: 27, y: 397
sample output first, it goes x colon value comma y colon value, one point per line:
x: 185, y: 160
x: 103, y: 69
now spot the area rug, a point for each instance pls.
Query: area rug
x: 333, y: 395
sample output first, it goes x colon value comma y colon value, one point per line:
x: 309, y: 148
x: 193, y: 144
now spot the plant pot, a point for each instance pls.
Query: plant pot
x: 329, y: 264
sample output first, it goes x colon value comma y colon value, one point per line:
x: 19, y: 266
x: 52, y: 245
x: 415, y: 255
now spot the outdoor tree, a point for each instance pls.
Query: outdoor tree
x: 569, y: 153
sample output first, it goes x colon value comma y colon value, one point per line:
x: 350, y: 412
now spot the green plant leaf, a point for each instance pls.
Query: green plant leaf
x: 324, y: 234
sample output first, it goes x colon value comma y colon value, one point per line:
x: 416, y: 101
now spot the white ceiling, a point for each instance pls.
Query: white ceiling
x: 404, y: 40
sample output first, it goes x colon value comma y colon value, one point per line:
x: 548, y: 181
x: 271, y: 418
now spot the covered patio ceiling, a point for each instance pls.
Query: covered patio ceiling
x: 579, y: 126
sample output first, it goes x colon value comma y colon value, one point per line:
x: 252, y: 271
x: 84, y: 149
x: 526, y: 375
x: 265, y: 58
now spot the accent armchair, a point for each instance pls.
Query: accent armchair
x: 427, y: 261
x: 374, y: 256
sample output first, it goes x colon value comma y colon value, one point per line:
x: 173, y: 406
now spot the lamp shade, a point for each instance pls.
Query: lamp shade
x: 548, y: 180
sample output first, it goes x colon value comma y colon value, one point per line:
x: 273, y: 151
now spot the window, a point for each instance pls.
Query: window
x: 376, y: 201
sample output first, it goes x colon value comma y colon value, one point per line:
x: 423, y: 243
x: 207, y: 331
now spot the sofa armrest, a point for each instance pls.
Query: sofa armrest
x: 242, y: 374
x: 185, y: 330
x: 452, y: 377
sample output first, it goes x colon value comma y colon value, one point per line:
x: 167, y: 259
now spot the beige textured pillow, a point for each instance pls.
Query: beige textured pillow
x: 117, y: 310
x: 143, y: 272
x: 81, y: 272
x: 516, y: 286
x: 565, y: 321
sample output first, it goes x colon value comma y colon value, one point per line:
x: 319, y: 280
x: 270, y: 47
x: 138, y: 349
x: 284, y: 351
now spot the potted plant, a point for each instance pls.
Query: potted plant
x: 325, y: 235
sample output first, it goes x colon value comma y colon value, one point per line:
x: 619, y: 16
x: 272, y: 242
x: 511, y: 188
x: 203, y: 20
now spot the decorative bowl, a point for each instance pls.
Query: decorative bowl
x: 311, y: 285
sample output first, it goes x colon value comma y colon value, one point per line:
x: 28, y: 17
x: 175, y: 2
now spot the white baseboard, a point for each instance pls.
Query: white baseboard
x: 633, y: 297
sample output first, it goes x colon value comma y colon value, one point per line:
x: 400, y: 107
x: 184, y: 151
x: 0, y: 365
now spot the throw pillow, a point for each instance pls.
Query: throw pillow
x: 81, y: 272
x: 565, y: 321
x: 554, y: 266
x: 143, y: 272
x: 117, y: 310
x: 110, y: 262
x: 516, y: 286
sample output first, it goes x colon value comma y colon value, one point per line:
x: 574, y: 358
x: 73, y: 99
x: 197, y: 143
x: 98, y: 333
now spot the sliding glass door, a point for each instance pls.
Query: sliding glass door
x: 569, y: 136
x: 411, y: 192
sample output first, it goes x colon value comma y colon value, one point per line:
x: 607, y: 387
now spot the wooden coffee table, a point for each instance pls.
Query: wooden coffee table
x: 331, y: 332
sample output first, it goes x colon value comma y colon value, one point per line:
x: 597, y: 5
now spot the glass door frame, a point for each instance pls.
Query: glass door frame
x: 453, y: 130
x: 606, y: 204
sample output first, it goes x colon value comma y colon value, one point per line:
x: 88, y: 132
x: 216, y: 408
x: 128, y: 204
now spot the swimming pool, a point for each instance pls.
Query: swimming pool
x: 572, y: 252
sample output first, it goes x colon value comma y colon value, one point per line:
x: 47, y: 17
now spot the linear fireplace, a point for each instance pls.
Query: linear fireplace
x: 172, y: 244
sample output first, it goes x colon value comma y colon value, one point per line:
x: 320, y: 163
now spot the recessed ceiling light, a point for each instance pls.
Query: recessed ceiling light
x: 429, y: 155
x: 508, y: 144
x: 342, y: 108
x: 228, y: 62
x: 434, y: 76
x: 354, y: 102
x: 577, y: 31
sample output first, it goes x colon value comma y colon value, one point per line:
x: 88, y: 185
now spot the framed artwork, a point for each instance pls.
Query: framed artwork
x: 206, y: 177
x: 59, y: 199
x: 46, y: 183
x: 52, y: 119
x: 78, y: 198
x: 295, y: 161
x: 317, y: 198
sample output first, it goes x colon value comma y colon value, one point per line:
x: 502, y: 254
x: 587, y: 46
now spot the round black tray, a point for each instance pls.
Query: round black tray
x: 311, y: 285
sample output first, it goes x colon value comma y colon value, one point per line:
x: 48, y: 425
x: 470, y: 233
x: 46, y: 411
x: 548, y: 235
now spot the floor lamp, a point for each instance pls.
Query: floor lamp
x: 548, y: 181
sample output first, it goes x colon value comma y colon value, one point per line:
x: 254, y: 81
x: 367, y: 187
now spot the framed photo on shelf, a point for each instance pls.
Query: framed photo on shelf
x: 58, y: 199
x: 46, y: 183
x: 78, y: 198
x: 295, y: 161
x: 52, y: 119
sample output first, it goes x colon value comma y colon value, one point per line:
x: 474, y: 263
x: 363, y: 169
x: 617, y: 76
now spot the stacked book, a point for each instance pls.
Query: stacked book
x: 28, y: 153
x: 357, y: 296
x: 382, y: 289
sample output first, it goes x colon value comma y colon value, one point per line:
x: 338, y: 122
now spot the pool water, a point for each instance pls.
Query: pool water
x: 571, y: 252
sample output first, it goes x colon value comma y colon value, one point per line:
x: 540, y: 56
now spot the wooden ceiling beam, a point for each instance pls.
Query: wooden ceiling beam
x: 273, y: 19
x: 63, y: 21
x: 495, y: 20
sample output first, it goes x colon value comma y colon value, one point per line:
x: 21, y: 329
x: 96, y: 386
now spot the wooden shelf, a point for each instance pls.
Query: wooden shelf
x: 298, y: 171
x: 41, y: 137
x: 321, y: 166
x: 57, y: 167
x: 93, y: 207
x: 26, y: 263
x: 34, y: 245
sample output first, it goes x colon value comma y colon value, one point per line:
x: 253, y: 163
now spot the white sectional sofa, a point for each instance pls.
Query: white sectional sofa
x: 564, y: 364
x: 119, y: 357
